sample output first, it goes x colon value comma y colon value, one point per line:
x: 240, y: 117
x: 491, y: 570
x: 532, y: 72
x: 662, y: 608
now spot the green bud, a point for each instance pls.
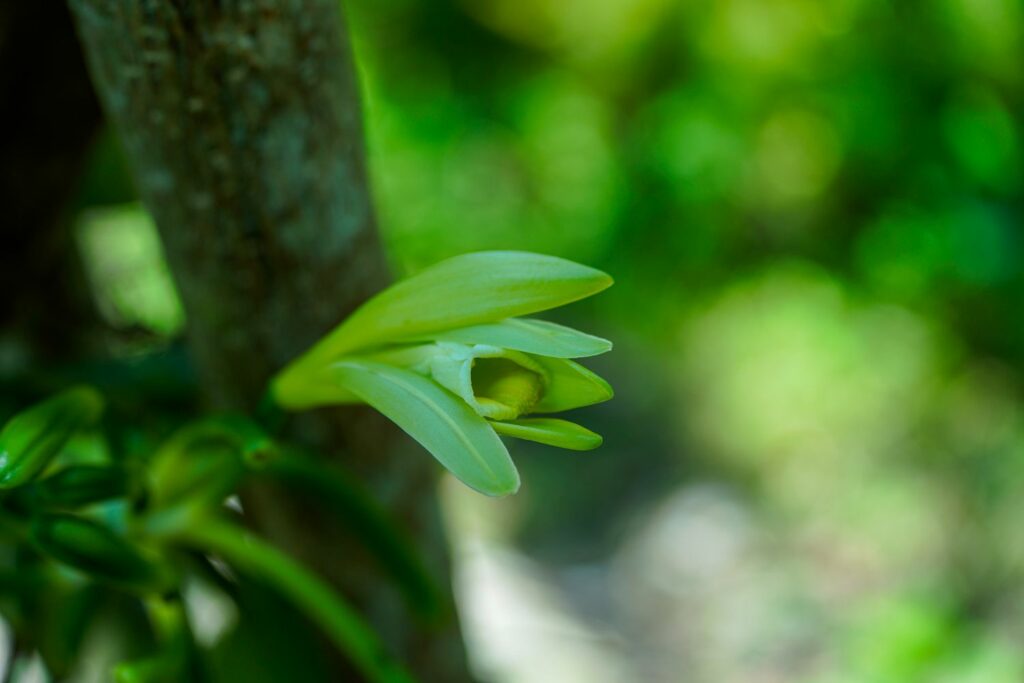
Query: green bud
x: 159, y: 669
x: 94, y: 550
x: 78, y: 486
x: 203, y: 472
x: 33, y: 438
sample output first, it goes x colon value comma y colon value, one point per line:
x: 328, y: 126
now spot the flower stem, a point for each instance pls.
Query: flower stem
x: 308, y: 592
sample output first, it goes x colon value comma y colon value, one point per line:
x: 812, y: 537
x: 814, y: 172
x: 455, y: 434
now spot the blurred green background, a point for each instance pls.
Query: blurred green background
x: 814, y: 466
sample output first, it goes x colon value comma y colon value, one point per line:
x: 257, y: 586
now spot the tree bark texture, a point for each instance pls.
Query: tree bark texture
x: 242, y: 125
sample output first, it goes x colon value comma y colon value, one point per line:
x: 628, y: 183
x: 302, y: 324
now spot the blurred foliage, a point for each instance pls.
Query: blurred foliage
x: 125, y: 263
x: 813, y: 470
x: 673, y: 142
x: 127, y: 567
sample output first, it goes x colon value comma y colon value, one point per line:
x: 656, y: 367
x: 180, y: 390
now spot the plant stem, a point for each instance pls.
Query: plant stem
x: 240, y: 432
x: 313, y: 596
x: 341, y: 495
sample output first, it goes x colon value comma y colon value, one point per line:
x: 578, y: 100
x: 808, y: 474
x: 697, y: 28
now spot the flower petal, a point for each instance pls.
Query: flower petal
x: 570, y: 385
x: 445, y: 425
x: 464, y: 290
x: 548, y: 430
x: 531, y: 336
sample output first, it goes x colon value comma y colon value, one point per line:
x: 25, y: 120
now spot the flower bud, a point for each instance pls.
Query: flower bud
x: 77, y: 486
x: 94, y: 550
x: 203, y: 472
x: 33, y: 438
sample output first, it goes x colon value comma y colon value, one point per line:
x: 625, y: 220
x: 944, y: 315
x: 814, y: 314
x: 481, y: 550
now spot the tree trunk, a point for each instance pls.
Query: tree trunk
x: 242, y: 125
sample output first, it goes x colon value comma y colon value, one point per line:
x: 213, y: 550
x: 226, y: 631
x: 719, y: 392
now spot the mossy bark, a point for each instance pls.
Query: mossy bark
x: 241, y: 122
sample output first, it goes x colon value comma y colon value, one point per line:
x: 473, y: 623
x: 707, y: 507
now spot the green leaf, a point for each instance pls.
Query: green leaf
x: 570, y: 385
x: 33, y: 438
x: 95, y: 550
x: 539, y: 337
x: 445, y: 425
x: 547, y: 430
x: 77, y: 486
x: 163, y: 668
x: 465, y: 290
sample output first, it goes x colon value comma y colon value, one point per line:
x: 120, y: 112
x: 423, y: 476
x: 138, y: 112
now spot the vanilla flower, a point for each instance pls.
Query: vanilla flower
x: 445, y: 356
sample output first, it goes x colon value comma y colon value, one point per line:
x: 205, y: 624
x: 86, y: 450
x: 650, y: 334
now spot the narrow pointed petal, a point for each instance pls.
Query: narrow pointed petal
x: 442, y: 423
x: 530, y: 336
x: 549, y: 431
x: 570, y: 385
x: 464, y: 290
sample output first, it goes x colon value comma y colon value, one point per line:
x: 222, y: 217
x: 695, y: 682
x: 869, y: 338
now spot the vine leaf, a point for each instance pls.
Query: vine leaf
x: 97, y: 551
x: 339, y: 620
x: 34, y: 437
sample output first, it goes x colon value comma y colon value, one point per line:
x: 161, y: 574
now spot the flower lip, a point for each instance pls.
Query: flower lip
x: 501, y: 385
x: 497, y: 383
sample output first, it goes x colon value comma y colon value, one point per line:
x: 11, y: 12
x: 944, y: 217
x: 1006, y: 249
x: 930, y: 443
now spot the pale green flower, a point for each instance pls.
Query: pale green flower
x: 444, y: 356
